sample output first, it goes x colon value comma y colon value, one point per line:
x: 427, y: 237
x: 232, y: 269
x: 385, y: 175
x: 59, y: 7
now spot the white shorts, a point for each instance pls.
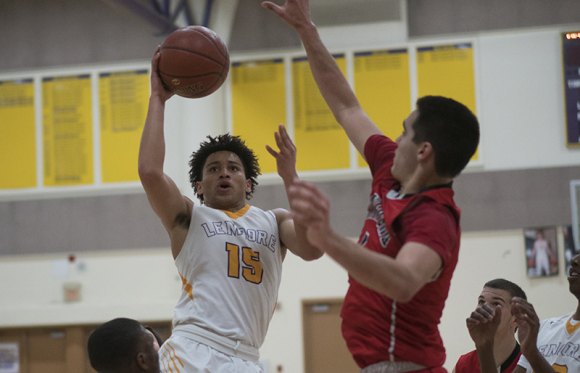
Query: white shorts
x: 180, y: 354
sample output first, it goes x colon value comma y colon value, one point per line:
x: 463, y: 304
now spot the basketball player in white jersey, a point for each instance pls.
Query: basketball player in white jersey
x: 549, y: 346
x: 228, y: 254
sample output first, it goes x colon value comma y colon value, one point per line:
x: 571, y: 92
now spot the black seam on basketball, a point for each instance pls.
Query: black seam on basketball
x: 212, y: 40
x: 201, y: 54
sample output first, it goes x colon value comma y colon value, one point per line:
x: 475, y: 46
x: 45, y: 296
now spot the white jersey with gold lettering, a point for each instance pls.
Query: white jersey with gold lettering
x: 231, y: 267
x: 559, y: 343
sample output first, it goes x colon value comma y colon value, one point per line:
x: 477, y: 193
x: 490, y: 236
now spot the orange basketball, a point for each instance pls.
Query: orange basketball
x: 194, y: 62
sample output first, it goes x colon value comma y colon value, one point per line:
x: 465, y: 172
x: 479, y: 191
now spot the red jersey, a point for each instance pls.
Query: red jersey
x: 469, y: 363
x: 375, y: 327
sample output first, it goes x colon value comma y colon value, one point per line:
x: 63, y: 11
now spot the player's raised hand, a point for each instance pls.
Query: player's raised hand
x: 483, y: 323
x: 528, y: 324
x: 157, y: 87
x: 295, y: 12
x: 285, y: 157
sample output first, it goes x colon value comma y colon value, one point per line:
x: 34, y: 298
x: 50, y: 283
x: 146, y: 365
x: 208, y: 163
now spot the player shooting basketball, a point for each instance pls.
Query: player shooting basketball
x: 229, y: 254
x: 401, y: 268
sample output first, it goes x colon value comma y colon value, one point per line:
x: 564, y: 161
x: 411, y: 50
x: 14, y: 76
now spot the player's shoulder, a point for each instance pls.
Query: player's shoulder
x: 556, y: 321
x: 280, y: 214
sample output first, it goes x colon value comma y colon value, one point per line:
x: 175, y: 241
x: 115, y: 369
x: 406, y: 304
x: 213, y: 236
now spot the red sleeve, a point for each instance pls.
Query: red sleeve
x: 379, y: 151
x: 467, y: 363
x: 433, y: 225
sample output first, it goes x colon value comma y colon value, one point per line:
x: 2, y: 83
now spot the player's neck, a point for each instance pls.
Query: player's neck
x: 418, y: 183
x: 503, y: 348
x: 576, y: 315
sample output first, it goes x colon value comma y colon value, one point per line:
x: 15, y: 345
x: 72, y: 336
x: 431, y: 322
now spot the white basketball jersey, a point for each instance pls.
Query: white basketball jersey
x: 231, y: 266
x: 559, y: 343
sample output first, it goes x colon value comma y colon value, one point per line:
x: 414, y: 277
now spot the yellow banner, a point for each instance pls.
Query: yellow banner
x: 123, y: 98
x: 321, y: 142
x: 259, y: 105
x: 67, y: 130
x: 383, y: 87
x: 17, y: 134
x: 448, y: 70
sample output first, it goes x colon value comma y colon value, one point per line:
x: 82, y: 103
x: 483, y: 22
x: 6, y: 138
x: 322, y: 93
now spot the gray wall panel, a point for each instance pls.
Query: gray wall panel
x: 441, y: 17
x: 79, y: 224
x: 489, y: 201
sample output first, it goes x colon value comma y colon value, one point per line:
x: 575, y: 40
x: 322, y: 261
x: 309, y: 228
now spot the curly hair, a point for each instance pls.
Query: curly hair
x: 228, y: 143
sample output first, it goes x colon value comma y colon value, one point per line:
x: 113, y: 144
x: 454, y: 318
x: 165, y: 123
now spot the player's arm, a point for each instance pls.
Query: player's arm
x: 333, y: 86
x: 292, y: 235
x: 164, y: 196
x: 482, y: 325
x: 399, y: 278
x: 528, y: 328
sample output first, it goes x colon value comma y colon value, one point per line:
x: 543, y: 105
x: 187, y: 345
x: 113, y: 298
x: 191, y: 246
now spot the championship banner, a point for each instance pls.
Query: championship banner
x: 17, y: 134
x: 321, y: 141
x: 259, y: 105
x: 123, y: 98
x: 448, y: 70
x: 67, y: 130
x: 383, y: 86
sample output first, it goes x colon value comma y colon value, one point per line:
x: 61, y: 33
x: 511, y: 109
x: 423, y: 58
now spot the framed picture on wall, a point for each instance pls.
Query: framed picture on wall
x: 575, y: 209
x: 9, y: 358
x: 571, y: 61
x: 570, y: 248
x: 541, y: 251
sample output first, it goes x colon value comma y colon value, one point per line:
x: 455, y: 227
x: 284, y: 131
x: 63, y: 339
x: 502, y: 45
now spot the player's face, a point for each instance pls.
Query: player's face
x: 499, y: 298
x: 405, y: 161
x: 224, y: 184
x: 574, y: 276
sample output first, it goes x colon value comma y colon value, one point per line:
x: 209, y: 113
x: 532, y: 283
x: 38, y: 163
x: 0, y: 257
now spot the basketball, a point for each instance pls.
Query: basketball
x: 194, y: 62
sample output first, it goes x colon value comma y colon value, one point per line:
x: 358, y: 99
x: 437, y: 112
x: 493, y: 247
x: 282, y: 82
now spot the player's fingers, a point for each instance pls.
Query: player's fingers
x: 272, y: 151
x: 471, y: 322
x: 278, y: 140
x: 155, y: 60
x: 271, y: 6
x: 318, y: 196
x: 285, y: 138
x: 485, y: 312
x: 306, y: 200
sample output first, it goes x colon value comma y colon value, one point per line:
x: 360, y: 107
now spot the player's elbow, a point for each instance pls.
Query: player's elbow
x: 149, y: 175
x: 403, y: 295
x: 306, y: 252
x: 405, y: 291
x: 311, y: 255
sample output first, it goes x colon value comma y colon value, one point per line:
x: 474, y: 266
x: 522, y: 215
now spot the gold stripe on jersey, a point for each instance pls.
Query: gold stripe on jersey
x: 174, y: 359
x: 187, y: 287
x: 237, y: 214
x: 571, y: 328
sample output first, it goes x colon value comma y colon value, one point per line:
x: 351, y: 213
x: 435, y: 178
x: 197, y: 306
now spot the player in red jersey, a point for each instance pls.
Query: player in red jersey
x: 401, y: 268
x: 548, y: 346
x: 496, y: 340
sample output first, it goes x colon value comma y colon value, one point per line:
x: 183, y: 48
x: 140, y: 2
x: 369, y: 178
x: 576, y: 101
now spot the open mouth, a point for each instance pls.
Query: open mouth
x: 573, y: 273
x: 224, y: 185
